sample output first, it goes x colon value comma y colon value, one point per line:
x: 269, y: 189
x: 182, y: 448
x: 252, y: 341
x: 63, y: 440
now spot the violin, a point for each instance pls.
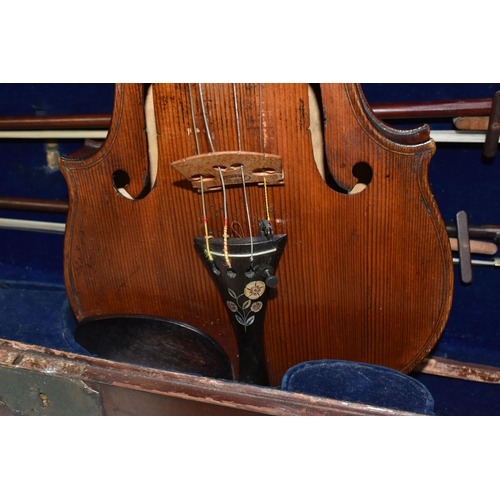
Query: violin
x: 286, y: 222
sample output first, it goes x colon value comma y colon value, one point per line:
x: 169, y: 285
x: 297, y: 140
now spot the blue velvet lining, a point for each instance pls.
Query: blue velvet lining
x: 462, y: 397
x: 37, y: 313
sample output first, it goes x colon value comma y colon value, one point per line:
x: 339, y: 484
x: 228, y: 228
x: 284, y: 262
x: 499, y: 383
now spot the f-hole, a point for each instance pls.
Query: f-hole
x: 361, y: 170
x: 364, y: 173
x: 121, y: 179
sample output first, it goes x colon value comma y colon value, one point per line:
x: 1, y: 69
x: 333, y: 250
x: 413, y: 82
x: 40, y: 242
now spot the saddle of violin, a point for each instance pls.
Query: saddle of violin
x: 366, y: 274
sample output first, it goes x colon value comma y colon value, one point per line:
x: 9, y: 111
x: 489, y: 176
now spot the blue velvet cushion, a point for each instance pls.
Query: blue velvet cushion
x: 359, y: 383
x: 37, y: 313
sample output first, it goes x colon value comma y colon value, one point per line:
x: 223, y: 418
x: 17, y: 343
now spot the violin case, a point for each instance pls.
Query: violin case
x: 44, y: 370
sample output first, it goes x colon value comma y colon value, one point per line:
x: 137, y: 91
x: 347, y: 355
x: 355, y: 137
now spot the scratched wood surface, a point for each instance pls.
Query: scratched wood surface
x: 365, y: 277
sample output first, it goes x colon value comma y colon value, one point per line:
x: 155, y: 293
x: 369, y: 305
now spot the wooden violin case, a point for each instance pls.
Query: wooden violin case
x: 366, y: 270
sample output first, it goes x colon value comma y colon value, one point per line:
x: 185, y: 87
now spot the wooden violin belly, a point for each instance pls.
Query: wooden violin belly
x: 364, y: 277
x: 158, y: 275
x: 374, y: 292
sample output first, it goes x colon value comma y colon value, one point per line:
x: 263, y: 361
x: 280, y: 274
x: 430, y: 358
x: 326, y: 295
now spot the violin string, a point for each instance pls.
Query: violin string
x: 243, y: 172
x: 260, y: 112
x: 225, y: 235
x: 194, y: 121
x: 204, y: 211
x: 237, y: 116
x: 205, y: 222
x: 266, y: 198
x: 205, y: 118
x: 248, y: 212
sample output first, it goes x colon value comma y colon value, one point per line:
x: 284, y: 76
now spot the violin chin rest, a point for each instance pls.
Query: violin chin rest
x: 154, y: 342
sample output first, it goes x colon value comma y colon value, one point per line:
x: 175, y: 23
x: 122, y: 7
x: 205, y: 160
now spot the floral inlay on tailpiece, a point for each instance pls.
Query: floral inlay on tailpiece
x: 251, y: 292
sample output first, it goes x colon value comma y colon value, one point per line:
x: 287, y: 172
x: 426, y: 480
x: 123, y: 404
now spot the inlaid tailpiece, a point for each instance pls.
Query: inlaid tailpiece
x: 245, y: 289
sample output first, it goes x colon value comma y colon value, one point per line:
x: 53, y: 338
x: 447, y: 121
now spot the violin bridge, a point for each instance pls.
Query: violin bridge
x: 256, y: 166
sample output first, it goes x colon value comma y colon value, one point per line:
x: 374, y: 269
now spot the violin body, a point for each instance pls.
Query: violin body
x: 365, y: 277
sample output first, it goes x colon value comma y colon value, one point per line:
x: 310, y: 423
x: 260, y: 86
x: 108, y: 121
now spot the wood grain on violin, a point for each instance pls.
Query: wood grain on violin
x: 365, y: 276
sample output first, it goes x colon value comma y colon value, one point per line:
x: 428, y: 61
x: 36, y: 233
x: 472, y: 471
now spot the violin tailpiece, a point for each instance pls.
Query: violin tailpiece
x: 245, y: 290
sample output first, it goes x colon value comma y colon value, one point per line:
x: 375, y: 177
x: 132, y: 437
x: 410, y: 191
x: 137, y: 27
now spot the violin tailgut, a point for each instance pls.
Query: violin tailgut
x: 256, y: 166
